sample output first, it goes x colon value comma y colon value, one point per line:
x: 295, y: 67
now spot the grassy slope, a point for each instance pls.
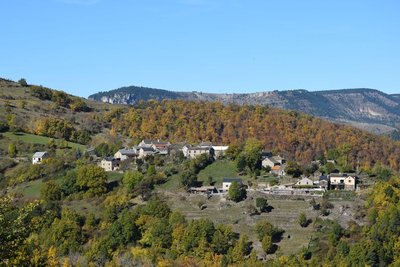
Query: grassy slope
x: 36, y: 139
x: 31, y: 189
x: 218, y: 170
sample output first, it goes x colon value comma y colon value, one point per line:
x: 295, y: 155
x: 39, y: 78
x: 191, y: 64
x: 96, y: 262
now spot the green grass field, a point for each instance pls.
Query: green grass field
x: 31, y: 189
x: 218, y: 170
x: 173, y: 183
x: 36, y: 139
x: 114, y: 176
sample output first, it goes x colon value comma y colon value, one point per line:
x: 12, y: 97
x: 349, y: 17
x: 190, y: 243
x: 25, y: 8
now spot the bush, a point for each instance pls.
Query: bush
x: 303, y: 221
x: 22, y: 82
x: 51, y: 191
x: 262, y: 204
x: 237, y: 192
x: 78, y: 105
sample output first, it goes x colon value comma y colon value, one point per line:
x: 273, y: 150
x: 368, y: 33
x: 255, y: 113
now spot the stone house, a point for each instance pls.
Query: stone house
x: 192, y: 152
x: 124, y: 154
x: 342, y: 181
x: 110, y: 164
x: 273, y: 161
x: 278, y: 170
x: 146, y: 151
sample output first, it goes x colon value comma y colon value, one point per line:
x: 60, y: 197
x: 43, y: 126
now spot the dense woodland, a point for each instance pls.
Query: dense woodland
x: 299, y: 136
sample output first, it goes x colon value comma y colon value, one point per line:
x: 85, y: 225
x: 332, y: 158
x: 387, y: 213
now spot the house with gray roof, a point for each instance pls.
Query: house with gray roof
x: 38, y: 157
x: 273, y: 161
x: 124, y: 154
x: 192, y: 152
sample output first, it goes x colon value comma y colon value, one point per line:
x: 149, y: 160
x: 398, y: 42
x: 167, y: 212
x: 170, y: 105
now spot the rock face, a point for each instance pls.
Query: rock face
x: 369, y: 109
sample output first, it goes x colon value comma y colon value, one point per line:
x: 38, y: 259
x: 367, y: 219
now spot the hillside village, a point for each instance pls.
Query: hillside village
x: 102, y: 184
x: 252, y: 155
x: 315, y: 184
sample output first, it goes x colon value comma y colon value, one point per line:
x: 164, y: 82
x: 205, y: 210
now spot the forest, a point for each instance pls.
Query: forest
x: 299, y: 136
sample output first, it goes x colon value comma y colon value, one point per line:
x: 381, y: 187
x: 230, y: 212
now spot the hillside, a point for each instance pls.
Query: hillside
x: 299, y: 136
x: 31, y: 108
x: 367, y: 109
x: 69, y: 211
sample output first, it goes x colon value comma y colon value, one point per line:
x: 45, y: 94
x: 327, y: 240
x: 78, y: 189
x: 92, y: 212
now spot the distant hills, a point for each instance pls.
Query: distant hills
x: 364, y: 108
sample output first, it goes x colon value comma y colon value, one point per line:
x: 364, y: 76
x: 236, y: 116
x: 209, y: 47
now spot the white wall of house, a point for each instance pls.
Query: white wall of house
x: 36, y: 160
x: 226, y: 185
x: 267, y: 162
x: 305, y: 181
x: 38, y: 157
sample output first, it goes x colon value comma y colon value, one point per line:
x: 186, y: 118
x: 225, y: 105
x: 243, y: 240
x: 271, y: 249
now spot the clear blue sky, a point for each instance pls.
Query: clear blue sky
x: 86, y: 46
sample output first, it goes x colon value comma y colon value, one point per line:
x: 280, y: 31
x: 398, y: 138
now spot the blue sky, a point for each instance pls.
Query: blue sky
x: 237, y: 46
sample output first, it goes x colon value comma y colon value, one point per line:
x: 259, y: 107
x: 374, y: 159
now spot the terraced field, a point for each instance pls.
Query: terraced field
x: 284, y: 215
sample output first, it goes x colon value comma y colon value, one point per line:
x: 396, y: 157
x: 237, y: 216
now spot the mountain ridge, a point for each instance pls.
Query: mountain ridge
x: 365, y: 108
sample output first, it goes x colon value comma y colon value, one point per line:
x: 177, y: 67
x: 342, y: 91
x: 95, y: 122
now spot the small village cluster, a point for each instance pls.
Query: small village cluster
x: 149, y: 147
x: 276, y: 164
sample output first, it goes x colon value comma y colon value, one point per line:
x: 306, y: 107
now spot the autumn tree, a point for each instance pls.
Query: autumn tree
x: 252, y: 154
x: 51, y: 191
x: 65, y: 233
x: 265, y: 228
x: 16, y: 224
x: 241, y: 249
x: 12, y: 150
x: 132, y: 179
x: 223, y: 239
x: 261, y: 204
x: 236, y: 191
x: 91, y: 179
x: 267, y: 244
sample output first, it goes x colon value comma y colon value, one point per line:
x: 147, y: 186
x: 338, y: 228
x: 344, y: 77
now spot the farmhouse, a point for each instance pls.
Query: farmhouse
x: 342, y: 181
x: 192, y: 152
x: 226, y: 182
x: 38, y: 157
x: 305, y: 182
x: 124, y: 154
x: 110, y: 164
x: 278, y: 170
x: 146, y: 151
x: 273, y: 161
